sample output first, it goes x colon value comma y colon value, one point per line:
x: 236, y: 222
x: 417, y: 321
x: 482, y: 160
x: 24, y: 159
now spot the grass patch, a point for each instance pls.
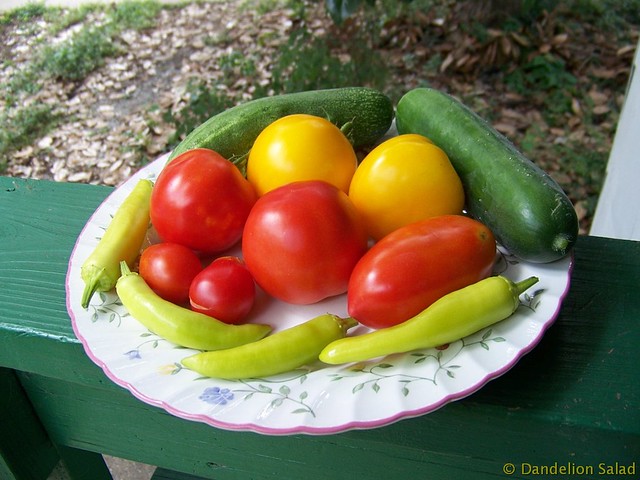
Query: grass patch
x: 26, y: 80
x: 23, y: 127
x: 547, y: 77
x: 69, y: 60
x: 83, y: 53
x: 135, y: 15
x: 307, y: 62
x: 23, y: 14
x: 586, y: 168
x: 86, y: 50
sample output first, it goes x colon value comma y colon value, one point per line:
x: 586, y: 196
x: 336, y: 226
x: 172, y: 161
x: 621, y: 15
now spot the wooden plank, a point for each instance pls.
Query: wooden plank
x: 40, y: 223
x: 462, y: 440
x: 33, y: 352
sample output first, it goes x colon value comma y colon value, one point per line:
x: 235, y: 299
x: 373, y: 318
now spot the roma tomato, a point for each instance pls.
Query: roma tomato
x: 225, y: 289
x: 403, y: 180
x: 302, y: 240
x: 300, y: 147
x: 201, y: 200
x: 412, y: 267
x: 169, y: 268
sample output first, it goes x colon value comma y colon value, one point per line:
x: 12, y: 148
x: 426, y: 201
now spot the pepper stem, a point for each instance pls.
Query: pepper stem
x: 90, y: 288
x: 523, y: 285
x: 347, y: 322
x: 124, y: 268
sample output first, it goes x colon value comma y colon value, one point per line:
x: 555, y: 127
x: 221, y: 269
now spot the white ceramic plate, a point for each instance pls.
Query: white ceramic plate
x: 317, y: 399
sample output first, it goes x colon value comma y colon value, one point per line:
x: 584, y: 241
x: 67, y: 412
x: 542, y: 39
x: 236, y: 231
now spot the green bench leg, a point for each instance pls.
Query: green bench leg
x: 25, y: 448
x: 163, y: 474
x: 83, y: 465
x: 26, y: 451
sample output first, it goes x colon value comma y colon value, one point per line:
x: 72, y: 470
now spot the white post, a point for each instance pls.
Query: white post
x: 618, y: 210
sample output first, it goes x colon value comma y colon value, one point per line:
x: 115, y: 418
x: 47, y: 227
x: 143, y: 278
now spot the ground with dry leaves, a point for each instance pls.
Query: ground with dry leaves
x: 112, y: 121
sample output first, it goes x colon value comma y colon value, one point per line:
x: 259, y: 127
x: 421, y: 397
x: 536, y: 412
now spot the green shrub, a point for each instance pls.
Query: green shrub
x: 133, y: 14
x: 80, y: 55
x: 545, y: 78
x: 308, y: 62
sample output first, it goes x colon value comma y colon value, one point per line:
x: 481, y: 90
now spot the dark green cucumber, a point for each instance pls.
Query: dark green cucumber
x: 364, y: 115
x: 528, y: 212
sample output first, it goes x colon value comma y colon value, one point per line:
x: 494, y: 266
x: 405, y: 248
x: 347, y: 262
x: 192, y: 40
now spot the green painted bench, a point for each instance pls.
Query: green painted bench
x: 573, y: 403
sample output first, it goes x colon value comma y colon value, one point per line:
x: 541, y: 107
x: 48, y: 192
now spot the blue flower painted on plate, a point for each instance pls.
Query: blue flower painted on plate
x: 216, y: 395
x: 133, y: 354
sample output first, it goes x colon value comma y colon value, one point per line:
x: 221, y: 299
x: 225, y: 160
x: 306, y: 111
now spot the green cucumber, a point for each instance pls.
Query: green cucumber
x: 527, y: 211
x: 363, y: 114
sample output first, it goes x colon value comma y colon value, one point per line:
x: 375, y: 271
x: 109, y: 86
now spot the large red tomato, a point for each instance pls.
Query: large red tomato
x: 201, y: 200
x: 409, y: 269
x: 302, y: 240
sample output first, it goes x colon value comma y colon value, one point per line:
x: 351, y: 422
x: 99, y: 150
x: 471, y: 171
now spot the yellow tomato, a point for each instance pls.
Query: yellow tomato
x: 300, y: 147
x: 403, y: 180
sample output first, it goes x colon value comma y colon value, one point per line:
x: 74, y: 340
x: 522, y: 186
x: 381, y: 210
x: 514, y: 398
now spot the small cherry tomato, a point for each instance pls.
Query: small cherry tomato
x: 225, y: 290
x: 201, y: 200
x: 300, y: 147
x: 169, y: 268
x: 404, y: 180
x: 302, y: 240
x: 413, y: 266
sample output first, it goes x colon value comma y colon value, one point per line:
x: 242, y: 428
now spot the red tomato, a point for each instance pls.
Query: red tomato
x: 169, y: 268
x: 201, y: 200
x: 409, y: 269
x: 225, y: 290
x: 302, y: 240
